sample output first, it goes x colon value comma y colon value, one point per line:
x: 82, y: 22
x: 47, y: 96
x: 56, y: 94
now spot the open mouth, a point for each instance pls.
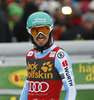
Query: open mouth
x: 40, y: 39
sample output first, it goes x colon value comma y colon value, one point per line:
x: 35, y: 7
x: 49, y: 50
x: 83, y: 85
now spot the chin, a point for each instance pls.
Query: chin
x: 40, y: 45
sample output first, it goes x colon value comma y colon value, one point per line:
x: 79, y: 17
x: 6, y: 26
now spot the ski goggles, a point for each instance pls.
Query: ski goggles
x: 36, y: 30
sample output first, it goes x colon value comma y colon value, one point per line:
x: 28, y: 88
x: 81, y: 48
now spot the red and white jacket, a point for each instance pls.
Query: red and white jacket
x: 46, y: 73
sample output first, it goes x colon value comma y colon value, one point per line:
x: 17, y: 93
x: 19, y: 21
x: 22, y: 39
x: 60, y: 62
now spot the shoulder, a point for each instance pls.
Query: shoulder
x: 30, y: 53
x: 62, y: 55
x: 62, y: 60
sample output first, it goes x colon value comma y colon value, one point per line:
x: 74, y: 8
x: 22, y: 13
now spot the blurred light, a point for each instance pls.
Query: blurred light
x: 66, y: 10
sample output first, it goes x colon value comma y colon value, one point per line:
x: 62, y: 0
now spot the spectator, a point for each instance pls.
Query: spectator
x: 59, y: 17
x: 5, y: 35
x: 3, y: 8
x: 61, y: 23
x: 76, y: 31
x: 15, y: 12
x: 20, y: 30
x: 88, y: 20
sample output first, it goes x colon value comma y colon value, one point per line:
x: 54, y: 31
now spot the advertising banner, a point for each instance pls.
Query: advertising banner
x: 14, y: 78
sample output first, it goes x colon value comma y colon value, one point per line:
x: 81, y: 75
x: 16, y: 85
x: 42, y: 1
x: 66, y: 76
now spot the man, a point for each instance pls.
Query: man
x: 48, y: 66
x: 5, y: 35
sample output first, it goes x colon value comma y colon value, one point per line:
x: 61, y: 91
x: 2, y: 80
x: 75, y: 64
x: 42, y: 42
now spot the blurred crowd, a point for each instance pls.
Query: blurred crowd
x: 78, y: 24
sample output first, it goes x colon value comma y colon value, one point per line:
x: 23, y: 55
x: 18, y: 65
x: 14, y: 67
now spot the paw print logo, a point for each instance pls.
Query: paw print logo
x: 47, y: 66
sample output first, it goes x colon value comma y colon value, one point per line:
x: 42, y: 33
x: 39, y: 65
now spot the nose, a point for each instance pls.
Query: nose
x: 40, y: 35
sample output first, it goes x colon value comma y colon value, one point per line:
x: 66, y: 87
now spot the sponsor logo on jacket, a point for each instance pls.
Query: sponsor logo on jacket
x: 44, y: 72
x: 68, y: 76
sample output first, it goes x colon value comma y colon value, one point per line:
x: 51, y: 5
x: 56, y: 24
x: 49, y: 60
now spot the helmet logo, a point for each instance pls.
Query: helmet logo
x: 39, y: 20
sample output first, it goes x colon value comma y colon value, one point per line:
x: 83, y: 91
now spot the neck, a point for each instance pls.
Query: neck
x: 41, y: 49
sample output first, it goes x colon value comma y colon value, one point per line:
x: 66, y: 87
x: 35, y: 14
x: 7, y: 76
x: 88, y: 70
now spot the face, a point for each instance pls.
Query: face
x: 88, y: 25
x: 41, y: 39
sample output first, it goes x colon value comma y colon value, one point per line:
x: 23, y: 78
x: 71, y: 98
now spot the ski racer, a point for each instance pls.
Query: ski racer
x: 48, y: 66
